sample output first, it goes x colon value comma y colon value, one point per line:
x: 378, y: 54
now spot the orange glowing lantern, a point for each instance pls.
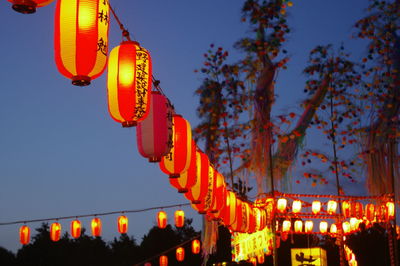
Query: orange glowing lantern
x: 308, y: 226
x: 55, y: 232
x: 208, y: 201
x: 296, y: 207
x: 316, y: 207
x: 346, y: 227
x: 76, y: 228
x: 298, y: 226
x: 333, y: 230
x: 180, y: 254
x: 332, y: 205
x: 229, y: 211
x: 81, y: 39
x: 187, y: 179
x: 129, y: 83
x: 163, y: 260
x: 122, y: 224
x: 24, y: 235
x: 220, y: 191
x: 260, y: 259
x: 354, y: 224
x: 196, y: 246
x: 390, y: 210
x: 28, y: 6
x: 370, y: 212
x: 281, y: 205
x: 178, y: 160
x: 253, y: 261
x: 96, y: 227
x: 162, y: 219
x: 323, y: 227
x: 346, y: 209
x: 237, y: 224
x: 179, y: 218
x: 286, y: 226
x: 356, y: 209
x: 198, y: 192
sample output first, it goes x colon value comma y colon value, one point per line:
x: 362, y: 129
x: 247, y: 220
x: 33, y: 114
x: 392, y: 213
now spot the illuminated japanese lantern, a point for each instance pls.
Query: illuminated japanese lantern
x: 286, y: 226
x: 281, y: 205
x: 245, y: 217
x: 298, y: 226
x: 154, y: 134
x: 96, y: 227
x: 28, y: 6
x: 237, y: 224
x: 356, y: 209
x: 163, y: 260
x: 76, y: 228
x: 332, y: 205
x: 316, y: 207
x: 229, y: 211
x: 208, y: 201
x: 220, y: 191
x: 260, y: 259
x: 353, y: 224
x: 260, y: 219
x: 24, y: 235
x: 308, y: 226
x: 296, y: 207
x: 178, y: 160
x: 370, y: 212
x: 323, y: 227
x: 81, y: 39
x: 390, y: 210
x: 198, y: 192
x: 122, y: 224
x: 346, y: 209
x: 55, y: 232
x: 187, y: 179
x: 162, y: 219
x: 346, y: 227
x: 179, y: 218
x: 196, y: 246
x: 129, y: 82
x: 252, y: 220
x: 180, y: 254
x: 333, y: 229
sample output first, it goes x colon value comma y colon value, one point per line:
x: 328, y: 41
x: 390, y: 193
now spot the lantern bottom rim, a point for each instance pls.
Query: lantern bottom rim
x: 174, y: 175
x: 129, y: 124
x: 183, y: 190
x: 24, y: 9
x: 154, y: 159
x: 81, y: 81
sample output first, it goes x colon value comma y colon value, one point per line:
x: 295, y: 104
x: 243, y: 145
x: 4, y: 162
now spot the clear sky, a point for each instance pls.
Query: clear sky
x: 61, y: 153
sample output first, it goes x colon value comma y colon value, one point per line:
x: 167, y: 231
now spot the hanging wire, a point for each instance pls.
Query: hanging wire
x: 94, y: 214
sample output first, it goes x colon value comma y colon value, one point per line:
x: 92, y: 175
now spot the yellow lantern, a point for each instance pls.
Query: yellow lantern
x: 162, y: 219
x: 346, y: 227
x: 296, y: 207
x: 298, y: 226
x: 286, y: 226
x: 346, y: 206
x: 316, y: 207
x: 333, y: 230
x: 323, y: 227
x: 122, y: 224
x: 390, y: 210
x: 332, y: 205
x: 281, y: 205
x: 308, y: 227
x: 353, y: 224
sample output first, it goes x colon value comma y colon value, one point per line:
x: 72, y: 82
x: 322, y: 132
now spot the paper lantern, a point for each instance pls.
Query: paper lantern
x: 370, y: 212
x: 154, y: 134
x: 96, y: 227
x: 286, y: 226
x: 179, y: 218
x: 260, y: 259
x: 229, y: 211
x: 245, y: 217
x: 356, y: 209
x: 28, y: 6
x: 346, y: 227
x: 237, y: 224
x: 81, y: 39
x: 333, y: 230
x: 76, y: 229
x: 316, y: 207
x: 178, y: 160
x: 208, y: 201
x: 198, y: 192
x: 24, y: 235
x: 296, y: 207
x: 180, y: 254
x: 308, y: 226
x: 55, y: 232
x: 187, y: 179
x: 354, y: 224
x: 122, y: 222
x: 332, y: 205
x: 298, y: 226
x: 163, y: 260
x: 390, y: 210
x: 129, y: 82
x: 196, y: 246
x: 252, y: 220
x: 220, y: 191
x: 323, y: 227
x: 281, y: 205
x: 346, y: 209
x: 162, y: 219
x: 260, y: 219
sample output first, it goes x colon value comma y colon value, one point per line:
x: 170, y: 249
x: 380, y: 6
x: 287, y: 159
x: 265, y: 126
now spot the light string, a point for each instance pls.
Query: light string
x: 95, y: 214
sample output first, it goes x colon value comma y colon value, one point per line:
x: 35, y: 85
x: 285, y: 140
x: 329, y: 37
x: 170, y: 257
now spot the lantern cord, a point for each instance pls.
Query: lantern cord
x: 125, y: 33
x: 95, y: 214
x: 166, y: 251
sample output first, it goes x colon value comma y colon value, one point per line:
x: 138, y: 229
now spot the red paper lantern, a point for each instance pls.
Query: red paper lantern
x: 179, y: 218
x: 76, y: 229
x: 154, y: 134
x: 220, y: 191
x: 252, y: 220
x: 55, y: 232
x: 199, y: 191
x: 237, y: 224
x: 180, y: 254
x: 196, y: 246
x: 28, y: 6
x: 357, y: 209
x: 178, y: 160
x: 24, y: 235
x: 187, y: 179
x: 229, y: 211
x: 162, y: 219
x: 163, y: 260
x: 129, y: 83
x: 81, y: 39
x: 208, y: 202
x: 346, y: 206
x: 370, y: 212
x: 260, y: 259
x: 122, y: 224
x: 96, y: 227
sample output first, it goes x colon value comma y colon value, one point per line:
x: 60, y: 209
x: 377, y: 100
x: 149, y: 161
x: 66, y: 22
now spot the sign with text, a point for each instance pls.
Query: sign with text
x: 308, y: 257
